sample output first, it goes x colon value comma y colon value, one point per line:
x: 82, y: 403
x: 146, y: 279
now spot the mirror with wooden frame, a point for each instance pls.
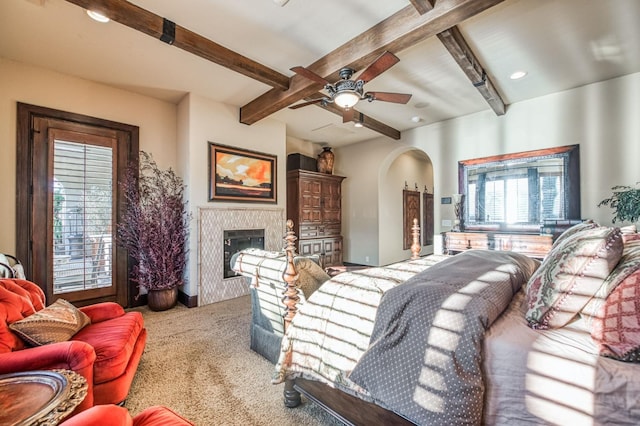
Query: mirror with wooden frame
x: 518, y: 192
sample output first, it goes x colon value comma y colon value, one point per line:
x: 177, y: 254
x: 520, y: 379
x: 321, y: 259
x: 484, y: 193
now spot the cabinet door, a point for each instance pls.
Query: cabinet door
x: 310, y: 247
x: 310, y: 201
x: 332, y: 248
x: 331, y: 202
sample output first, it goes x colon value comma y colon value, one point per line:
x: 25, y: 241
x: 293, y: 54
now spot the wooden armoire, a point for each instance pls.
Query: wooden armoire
x: 315, y: 206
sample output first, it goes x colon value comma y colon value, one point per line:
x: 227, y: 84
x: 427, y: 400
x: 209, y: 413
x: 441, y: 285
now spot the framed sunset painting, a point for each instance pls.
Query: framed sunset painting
x: 241, y: 175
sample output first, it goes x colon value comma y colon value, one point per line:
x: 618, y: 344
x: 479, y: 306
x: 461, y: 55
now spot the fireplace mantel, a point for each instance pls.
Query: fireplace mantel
x: 213, y: 287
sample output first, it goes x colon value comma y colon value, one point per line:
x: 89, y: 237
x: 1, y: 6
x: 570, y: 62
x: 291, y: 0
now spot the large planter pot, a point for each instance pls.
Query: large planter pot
x: 161, y: 300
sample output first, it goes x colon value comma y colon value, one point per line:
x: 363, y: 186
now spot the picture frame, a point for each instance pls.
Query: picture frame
x: 241, y: 175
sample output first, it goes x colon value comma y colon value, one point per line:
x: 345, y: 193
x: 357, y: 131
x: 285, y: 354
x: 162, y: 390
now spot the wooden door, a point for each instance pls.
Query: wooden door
x: 69, y: 203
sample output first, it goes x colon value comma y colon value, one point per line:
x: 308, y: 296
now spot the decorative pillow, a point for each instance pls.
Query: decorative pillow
x: 57, y: 322
x: 630, y: 237
x: 575, y: 229
x: 629, y: 263
x: 6, y: 271
x: 570, y: 275
x: 629, y: 229
x: 616, y: 327
x: 310, y: 275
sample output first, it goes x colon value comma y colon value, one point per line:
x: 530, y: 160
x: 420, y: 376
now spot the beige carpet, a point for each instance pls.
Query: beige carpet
x: 197, y: 361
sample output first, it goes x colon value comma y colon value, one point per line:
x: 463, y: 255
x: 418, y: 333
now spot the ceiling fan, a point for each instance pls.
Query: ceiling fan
x: 346, y: 93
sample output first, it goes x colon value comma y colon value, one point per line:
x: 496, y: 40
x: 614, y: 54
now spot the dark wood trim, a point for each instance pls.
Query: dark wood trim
x: 571, y: 186
x: 518, y: 155
x: 345, y: 407
x: 186, y: 300
x: 149, y: 23
x: 403, y: 29
x: 31, y: 231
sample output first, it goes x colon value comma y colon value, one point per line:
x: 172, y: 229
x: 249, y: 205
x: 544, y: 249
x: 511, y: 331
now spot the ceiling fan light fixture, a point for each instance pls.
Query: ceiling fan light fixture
x: 346, y: 99
x: 97, y: 16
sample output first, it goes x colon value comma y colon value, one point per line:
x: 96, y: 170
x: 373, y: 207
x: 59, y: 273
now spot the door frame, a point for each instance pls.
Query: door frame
x: 128, y: 147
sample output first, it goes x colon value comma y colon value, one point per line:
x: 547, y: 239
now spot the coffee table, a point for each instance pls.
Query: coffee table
x: 40, y: 397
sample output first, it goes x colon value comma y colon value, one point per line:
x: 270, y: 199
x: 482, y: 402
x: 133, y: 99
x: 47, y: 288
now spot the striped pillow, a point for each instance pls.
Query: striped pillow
x: 629, y: 263
x: 570, y: 275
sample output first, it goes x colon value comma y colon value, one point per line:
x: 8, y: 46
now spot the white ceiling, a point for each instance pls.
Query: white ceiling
x: 561, y: 43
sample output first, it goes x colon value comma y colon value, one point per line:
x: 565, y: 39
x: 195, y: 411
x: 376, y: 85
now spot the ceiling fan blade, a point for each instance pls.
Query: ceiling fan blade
x: 398, y: 98
x: 380, y: 65
x: 310, y: 75
x: 348, y: 115
x: 304, y: 104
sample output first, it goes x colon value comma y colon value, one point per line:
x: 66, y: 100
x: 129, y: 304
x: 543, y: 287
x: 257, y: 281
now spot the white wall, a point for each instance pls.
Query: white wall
x: 604, y: 118
x: 202, y: 121
x: 38, y: 86
x: 376, y: 171
x: 412, y: 167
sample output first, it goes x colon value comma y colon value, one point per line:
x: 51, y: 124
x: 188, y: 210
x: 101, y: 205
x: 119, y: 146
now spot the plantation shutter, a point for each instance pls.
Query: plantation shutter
x: 83, y: 215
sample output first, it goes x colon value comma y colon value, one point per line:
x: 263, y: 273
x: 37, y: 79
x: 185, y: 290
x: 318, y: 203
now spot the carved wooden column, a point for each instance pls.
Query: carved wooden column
x: 415, y: 245
x: 290, y: 276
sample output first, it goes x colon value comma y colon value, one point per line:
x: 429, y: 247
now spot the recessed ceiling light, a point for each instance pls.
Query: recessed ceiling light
x: 358, y: 124
x: 517, y: 75
x: 97, y: 16
x: 416, y: 119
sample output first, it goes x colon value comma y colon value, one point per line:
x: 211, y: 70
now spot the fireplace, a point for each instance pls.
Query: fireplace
x: 240, y: 239
x: 213, y: 222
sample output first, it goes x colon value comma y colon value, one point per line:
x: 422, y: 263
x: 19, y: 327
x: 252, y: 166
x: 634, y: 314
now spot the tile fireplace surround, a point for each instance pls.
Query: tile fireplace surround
x: 212, y: 287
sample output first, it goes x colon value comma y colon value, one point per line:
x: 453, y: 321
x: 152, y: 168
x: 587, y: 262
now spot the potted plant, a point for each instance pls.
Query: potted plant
x: 154, y: 229
x: 625, y: 202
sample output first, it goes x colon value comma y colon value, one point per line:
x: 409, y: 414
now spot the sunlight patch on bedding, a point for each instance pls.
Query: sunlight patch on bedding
x: 429, y: 399
x: 557, y: 414
x: 560, y: 389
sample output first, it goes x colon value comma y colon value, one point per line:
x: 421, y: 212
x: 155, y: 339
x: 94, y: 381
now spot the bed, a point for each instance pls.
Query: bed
x: 482, y: 337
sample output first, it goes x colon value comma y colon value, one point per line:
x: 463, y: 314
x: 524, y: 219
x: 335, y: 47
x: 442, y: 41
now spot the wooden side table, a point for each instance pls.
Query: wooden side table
x: 40, y: 397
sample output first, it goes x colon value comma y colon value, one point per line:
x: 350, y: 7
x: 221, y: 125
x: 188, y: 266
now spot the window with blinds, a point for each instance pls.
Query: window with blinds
x: 83, y: 216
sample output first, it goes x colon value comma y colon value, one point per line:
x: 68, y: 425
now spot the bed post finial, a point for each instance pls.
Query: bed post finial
x: 415, y: 246
x: 290, y: 276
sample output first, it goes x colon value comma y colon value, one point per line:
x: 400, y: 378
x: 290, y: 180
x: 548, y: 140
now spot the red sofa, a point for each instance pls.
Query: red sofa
x: 106, y: 352
x: 113, y: 415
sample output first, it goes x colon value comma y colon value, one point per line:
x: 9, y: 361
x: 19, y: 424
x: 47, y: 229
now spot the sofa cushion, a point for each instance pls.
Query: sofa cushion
x: 570, y: 275
x: 55, y: 323
x: 113, y: 341
x: 161, y: 416
x: 616, y: 326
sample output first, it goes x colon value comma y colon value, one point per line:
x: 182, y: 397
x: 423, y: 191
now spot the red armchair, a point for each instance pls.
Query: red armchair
x: 106, y: 352
x: 112, y: 415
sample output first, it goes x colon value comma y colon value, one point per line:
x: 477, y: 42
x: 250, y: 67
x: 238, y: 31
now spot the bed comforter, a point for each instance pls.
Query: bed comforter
x: 531, y: 377
x: 424, y: 359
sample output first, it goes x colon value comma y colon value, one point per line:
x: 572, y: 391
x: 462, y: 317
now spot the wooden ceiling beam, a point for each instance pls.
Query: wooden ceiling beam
x: 368, y: 122
x: 158, y: 27
x: 396, y: 33
x: 460, y: 50
x: 422, y: 6
x: 457, y: 46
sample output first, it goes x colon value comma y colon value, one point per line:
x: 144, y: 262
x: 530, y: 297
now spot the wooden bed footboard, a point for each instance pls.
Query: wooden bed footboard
x: 346, y: 408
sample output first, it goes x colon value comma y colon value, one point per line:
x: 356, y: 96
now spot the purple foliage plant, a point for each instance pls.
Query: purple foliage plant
x: 154, y: 228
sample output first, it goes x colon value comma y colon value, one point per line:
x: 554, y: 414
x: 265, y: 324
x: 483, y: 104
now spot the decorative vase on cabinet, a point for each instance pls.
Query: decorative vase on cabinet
x: 325, y: 160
